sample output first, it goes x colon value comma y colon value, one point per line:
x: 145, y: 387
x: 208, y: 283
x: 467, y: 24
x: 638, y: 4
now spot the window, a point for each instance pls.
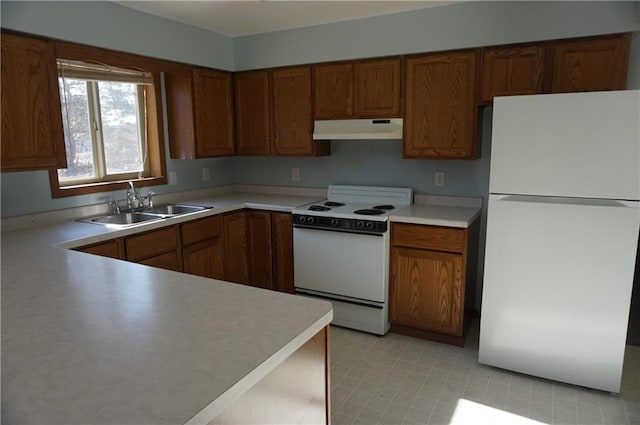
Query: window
x: 112, y: 120
x: 103, y: 114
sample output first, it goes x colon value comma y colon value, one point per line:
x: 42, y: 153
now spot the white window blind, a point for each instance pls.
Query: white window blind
x: 101, y: 72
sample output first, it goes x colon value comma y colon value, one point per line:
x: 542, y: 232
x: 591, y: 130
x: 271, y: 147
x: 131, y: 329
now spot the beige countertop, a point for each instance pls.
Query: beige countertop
x: 436, y: 215
x: 88, y: 339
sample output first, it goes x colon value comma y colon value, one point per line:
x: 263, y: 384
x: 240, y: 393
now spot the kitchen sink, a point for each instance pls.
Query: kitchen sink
x: 122, y: 220
x: 171, y: 210
x: 146, y: 215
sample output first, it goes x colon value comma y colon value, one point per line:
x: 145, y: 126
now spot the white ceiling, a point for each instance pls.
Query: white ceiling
x: 241, y: 17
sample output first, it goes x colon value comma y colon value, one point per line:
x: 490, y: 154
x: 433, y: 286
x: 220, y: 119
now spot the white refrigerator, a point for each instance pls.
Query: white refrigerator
x: 562, y: 232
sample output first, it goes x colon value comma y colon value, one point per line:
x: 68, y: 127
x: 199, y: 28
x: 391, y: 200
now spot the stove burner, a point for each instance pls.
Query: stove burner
x: 334, y: 204
x: 318, y: 208
x: 369, y: 212
x: 384, y: 207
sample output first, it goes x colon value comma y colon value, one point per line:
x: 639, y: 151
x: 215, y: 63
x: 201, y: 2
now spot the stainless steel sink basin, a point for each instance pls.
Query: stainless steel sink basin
x: 132, y: 218
x: 122, y: 220
x: 171, y: 210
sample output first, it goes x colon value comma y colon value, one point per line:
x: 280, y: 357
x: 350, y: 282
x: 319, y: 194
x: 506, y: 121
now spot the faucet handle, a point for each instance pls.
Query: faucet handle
x: 116, y: 207
x: 149, y: 198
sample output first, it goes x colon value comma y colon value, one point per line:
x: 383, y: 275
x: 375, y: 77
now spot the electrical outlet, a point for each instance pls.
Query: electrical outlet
x: 205, y: 174
x: 295, y: 174
x: 438, y: 179
x: 173, y: 178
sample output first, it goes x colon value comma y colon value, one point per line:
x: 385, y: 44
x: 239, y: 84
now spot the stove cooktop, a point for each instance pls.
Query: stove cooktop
x: 359, y: 202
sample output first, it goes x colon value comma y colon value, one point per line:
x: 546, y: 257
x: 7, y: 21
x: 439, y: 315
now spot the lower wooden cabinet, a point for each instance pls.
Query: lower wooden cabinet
x: 203, y: 247
x: 432, y: 279
x: 157, y: 248
x: 260, y: 256
x: 167, y: 261
x: 259, y: 249
x: 252, y: 247
x: 282, y: 238
x: 236, y: 267
x: 113, y: 249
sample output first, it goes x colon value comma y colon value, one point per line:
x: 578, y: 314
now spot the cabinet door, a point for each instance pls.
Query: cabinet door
x: 236, y: 267
x: 440, y: 114
x: 260, y: 253
x: 252, y: 113
x: 204, y: 259
x: 32, y: 134
x: 214, y: 113
x: 282, y: 226
x: 168, y: 261
x: 511, y: 71
x: 333, y: 89
x: 426, y: 290
x: 113, y: 249
x: 592, y: 64
x: 293, y: 122
x: 180, y: 115
x: 151, y: 243
x: 378, y: 88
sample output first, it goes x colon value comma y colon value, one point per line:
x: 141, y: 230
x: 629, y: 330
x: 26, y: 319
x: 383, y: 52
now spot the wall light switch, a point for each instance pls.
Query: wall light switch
x: 205, y: 174
x: 295, y: 174
x: 173, y: 178
x: 438, y: 179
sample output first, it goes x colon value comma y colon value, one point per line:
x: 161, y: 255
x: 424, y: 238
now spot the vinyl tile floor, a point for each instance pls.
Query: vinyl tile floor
x: 398, y: 379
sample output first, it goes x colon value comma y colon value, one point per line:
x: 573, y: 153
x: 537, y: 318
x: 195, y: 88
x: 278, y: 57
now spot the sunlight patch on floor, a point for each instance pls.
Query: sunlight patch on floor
x: 469, y: 412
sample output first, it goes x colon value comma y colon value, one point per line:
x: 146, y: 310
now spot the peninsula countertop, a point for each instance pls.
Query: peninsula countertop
x: 88, y: 339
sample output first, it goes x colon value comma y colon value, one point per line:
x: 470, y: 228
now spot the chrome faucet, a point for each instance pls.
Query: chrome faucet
x: 134, y: 200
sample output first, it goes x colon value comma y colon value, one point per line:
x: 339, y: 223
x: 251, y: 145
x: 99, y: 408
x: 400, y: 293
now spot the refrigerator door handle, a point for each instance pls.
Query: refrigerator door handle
x: 567, y: 201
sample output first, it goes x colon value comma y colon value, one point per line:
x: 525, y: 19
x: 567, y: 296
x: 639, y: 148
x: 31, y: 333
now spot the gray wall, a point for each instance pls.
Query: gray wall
x: 455, y: 26
x: 357, y: 162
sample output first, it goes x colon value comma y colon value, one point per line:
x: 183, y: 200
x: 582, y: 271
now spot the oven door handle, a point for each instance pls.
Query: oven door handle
x: 329, y: 297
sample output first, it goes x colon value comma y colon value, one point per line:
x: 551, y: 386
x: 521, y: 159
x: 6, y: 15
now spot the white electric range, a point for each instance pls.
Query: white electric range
x: 341, y: 252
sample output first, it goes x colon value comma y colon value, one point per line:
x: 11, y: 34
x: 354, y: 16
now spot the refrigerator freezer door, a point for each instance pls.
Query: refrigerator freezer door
x: 557, y: 288
x: 573, y: 145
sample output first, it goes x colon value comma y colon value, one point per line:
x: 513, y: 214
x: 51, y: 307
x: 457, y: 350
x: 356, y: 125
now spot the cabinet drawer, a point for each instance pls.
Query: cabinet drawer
x: 427, y: 237
x: 167, y: 261
x: 112, y: 248
x: 201, y: 230
x: 151, y: 243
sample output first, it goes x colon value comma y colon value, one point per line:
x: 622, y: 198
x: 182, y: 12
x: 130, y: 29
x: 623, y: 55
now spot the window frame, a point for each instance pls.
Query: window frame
x: 154, y: 118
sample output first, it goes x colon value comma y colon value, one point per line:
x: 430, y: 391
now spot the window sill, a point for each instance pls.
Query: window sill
x: 58, y: 191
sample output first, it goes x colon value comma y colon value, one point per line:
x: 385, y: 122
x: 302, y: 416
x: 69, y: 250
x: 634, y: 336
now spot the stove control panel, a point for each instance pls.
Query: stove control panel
x: 340, y: 224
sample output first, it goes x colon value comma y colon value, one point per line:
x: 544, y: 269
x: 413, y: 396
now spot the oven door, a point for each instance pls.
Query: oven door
x: 339, y: 263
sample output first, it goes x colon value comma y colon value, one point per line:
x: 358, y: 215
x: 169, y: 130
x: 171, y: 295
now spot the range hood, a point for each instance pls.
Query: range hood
x: 362, y: 129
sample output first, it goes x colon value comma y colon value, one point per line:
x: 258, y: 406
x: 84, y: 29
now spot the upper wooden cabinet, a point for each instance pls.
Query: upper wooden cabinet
x: 32, y: 134
x: 378, y: 88
x: 590, y: 64
x: 200, y: 114
x: 508, y: 71
x: 358, y: 89
x: 273, y: 113
x: 292, y: 117
x: 583, y: 64
x: 440, y: 109
x: 333, y: 86
x: 253, y: 120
